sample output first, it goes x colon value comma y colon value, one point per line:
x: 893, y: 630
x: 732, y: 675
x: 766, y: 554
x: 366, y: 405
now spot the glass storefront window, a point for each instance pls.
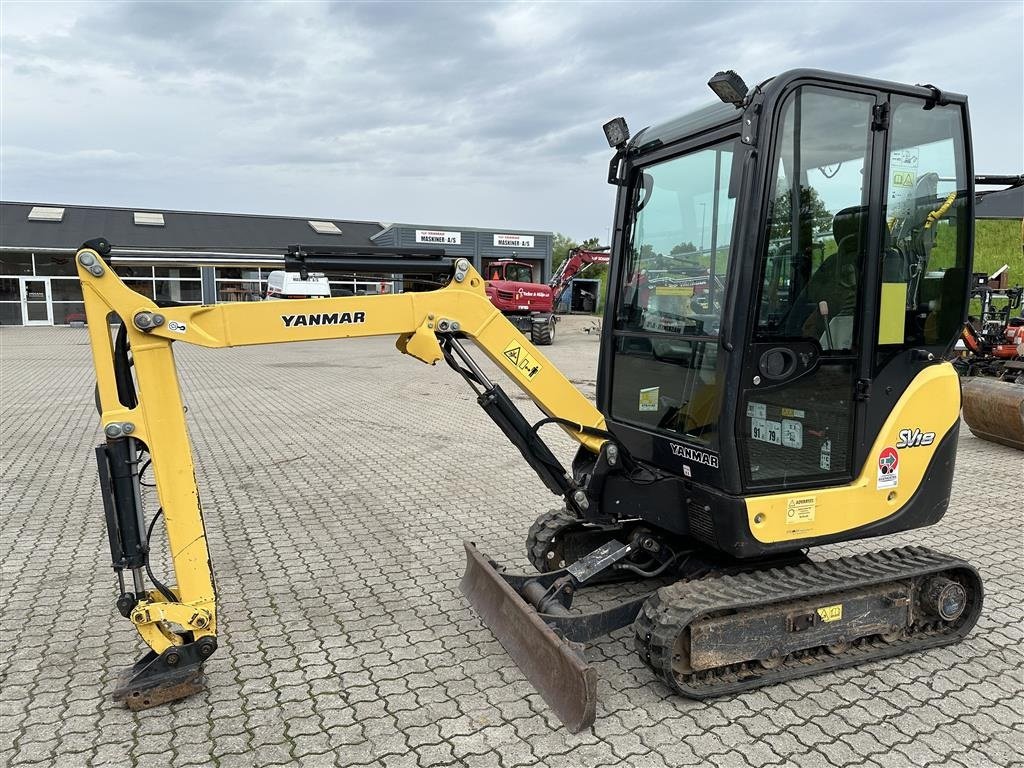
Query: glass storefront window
x: 178, y: 273
x: 179, y: 290
x: 67, y: 312
x: 65, y: 290
x: 55, y: 264
x: 10, y: 289
x: 10, y: 313
x: 238, y: 284
x: 230, y: 290
x: 145, y: 287
x: 16, y: 264
x: 134, y: 270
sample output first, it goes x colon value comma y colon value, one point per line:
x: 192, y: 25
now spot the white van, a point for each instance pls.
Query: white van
x: 290, y: 285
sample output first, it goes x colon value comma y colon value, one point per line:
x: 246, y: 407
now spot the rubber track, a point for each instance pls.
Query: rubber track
x: 674, y: 608
x: 545, y: 529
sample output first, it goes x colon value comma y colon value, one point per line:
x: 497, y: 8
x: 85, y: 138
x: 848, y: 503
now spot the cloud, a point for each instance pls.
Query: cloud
x: 458, y: 113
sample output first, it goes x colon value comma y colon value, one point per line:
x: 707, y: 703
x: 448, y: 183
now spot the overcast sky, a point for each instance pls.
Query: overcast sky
x: 476, y: 115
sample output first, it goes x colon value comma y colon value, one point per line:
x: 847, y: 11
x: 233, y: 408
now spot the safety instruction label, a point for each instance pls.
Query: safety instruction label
x: 801, y: 510
x: 830, y: 613
x: 888, y: 468
x: 792, y: 434
x: 903, y: 165
x: 649, y: 398
x: 766, y: 431
x: 526, y: 365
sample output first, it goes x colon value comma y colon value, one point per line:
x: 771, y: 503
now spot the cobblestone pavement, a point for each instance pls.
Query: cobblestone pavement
x: 338, y: 480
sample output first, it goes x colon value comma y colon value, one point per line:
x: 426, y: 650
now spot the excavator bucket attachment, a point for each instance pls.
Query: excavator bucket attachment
x: 555, y: 666
x: 994, y: 410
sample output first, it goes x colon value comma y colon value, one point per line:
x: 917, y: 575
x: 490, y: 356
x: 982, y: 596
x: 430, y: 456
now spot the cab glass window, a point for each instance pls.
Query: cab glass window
x: 679, y: 247
x: 817, y: 221
x: 519, y: 273
x: 798, y: 427
x: 665, y: 370
x: 924, y: 262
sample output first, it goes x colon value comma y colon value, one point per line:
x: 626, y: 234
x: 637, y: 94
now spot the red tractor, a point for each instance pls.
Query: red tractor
x: 528, y: 305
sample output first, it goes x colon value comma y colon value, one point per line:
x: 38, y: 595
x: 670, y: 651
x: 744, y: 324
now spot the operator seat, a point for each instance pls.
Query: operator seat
x: 835, y: 282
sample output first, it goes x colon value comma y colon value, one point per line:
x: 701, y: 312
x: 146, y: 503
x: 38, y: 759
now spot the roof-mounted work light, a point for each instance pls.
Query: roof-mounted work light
x: 729, y: 87
x: 617, y: 132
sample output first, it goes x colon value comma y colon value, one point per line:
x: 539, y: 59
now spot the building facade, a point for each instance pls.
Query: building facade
x: 39, y: 283
x: 481, y: 246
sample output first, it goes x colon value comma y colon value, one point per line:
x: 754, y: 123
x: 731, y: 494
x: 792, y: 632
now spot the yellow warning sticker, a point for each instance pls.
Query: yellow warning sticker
x: 903, y: 178
x: 801, y: 509
x: 649, y: 399
x: 831, y: 613
x: 526, y: 365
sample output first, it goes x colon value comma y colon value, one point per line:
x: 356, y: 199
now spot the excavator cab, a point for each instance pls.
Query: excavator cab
x: 826, y: 224
x: 514, y: 271
x: 789, y: 268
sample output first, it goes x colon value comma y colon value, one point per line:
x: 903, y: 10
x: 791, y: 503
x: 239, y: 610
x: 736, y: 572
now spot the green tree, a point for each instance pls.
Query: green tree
x: 812, y: 210
x: 562, y: 244
x: 560, y: 247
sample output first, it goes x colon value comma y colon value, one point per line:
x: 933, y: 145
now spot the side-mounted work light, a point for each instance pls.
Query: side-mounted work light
x: 729, y: 87
x: 617, y: 132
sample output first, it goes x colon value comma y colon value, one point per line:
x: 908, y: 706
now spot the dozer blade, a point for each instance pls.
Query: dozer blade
x: 555, y: 667
x: 994, y: 410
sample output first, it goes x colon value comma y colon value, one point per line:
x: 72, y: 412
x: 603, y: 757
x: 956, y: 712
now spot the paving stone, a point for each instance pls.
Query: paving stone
x: 335, y: 532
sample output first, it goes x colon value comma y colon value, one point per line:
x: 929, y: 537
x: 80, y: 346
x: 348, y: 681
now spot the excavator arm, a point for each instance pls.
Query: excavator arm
x: 142, y: 415
x: 577, y: 262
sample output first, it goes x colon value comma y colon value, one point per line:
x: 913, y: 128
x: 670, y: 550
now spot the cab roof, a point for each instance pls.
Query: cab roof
x: 717, y: 114
x: 691, y: 124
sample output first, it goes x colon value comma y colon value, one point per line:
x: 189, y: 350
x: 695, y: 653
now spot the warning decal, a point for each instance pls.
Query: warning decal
x: 526, y: 365
x: 831, y: 613
x: 801, y: 510
x: 888, y: 468
x: 649, y: 400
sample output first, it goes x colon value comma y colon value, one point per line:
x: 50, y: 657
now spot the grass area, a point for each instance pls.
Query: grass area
x: 997, y: 242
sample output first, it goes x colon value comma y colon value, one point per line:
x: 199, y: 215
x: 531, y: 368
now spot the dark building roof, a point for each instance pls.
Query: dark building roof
x: 1001, y: 204
x: 181, y: 229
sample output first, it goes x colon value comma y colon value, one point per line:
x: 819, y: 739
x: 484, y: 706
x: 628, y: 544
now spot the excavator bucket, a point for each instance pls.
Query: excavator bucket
x: 555, y: 666
x: 994, y: 410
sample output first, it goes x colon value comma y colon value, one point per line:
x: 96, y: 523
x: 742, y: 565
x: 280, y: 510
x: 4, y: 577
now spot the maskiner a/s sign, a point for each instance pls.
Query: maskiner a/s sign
x: 513, y: 241
x: 438, y: 237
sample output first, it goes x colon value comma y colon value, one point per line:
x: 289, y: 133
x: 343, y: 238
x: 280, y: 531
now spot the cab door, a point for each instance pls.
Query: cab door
x: 804, y: 378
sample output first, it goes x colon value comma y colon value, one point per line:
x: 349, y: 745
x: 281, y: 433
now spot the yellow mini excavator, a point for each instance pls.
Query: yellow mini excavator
x: 778, y: 387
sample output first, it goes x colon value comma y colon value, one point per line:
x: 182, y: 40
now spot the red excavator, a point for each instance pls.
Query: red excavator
x: 528, y: 305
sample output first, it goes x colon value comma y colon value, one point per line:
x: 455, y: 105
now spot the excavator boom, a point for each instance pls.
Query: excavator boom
x: 142, y: 413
